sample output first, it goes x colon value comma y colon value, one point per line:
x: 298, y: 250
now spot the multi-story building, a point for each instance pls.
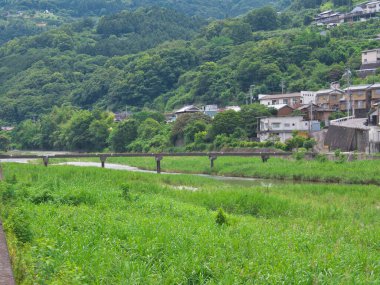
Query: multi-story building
x: 360, y: 99
x: 329, y: 99
x: 294, y: 100
x: 329, y: 17
x: 281, y: 128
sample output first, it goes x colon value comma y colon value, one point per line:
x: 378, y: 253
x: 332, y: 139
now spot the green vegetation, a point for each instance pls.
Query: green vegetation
x: 70, y: 225
x: 68, y: 128
x: 160, y: 59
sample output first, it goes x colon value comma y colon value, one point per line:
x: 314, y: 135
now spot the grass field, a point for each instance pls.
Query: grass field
x: 68, y: 225
x: 354, y: 172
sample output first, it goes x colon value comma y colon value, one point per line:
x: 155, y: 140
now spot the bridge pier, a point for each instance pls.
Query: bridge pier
x: 212, y: 159
x: 158, y: 163
x: 265, y: 157
x: 103, y: 159
x: 46, y: 160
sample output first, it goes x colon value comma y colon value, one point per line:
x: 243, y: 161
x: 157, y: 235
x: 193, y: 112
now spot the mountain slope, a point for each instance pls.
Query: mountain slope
x: 112, y: 64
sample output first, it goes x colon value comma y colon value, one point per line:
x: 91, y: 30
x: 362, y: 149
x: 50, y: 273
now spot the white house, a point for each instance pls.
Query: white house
x: 293, y: 100
x: 282, y: 127
x: 371, y: 56
x: 372, y: 7
x: 308, y: 97
x: 210, y: 110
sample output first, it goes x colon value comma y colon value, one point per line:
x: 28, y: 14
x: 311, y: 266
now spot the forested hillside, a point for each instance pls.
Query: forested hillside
x: 159, y: 59
x: 206, y: 9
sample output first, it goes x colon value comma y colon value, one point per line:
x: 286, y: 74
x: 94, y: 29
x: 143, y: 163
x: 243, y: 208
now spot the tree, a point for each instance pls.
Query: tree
x: 28, y: 135
x: 192, y: 129
x: 77, y: 132
x: 148, y: 129
x: 177, y: 133
x: 123, y: 134
x: 249, y: 115
x: 226, y: 123
x: 4, y: 142
x: 262, y: 19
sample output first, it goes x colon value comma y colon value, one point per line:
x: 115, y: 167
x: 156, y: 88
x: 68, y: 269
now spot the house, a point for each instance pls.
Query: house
x: 361, y: 99
x: 210, y: 110
x: 370, y: 62
x: 282, y: 127
x: 329, y: 17
x: 374, y: 117
x: 293, y: 100
x: 375, y: 94
x: 118, y: 117
x: 329, y: 99
x: 314, y: 112
x: 308, y: 97
x: 356, y: 100
x: 283, y: 109
x: 187, y: 109
x: 372, y: 7
x: 7, y: 129
x: 228, y: 108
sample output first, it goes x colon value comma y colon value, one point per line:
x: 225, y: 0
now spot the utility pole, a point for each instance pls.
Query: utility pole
x: 282, y: 85
x: 348, y: 74
x: 250, y: 94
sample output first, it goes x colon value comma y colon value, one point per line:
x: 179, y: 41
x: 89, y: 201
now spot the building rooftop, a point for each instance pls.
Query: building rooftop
x: 280, y: 106
x: 369, y: 50
x: 188, y: 109
x: 328, y: 91
x: 279, y: 96
x: 358, y: 87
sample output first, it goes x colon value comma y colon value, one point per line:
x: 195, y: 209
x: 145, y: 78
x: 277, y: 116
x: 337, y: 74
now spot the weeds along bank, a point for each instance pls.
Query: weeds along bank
x: 353, y: 172
x: 68, y: 225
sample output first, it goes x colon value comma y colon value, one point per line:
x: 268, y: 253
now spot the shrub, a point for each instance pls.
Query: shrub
x: 125, y: 191
x: 321, y: 157
x: 221, y: 217
x: 19, y: 224
x: 339, y: 156
x: 299, y: 154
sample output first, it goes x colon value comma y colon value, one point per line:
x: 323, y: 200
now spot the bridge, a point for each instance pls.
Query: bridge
x: 157, y: 156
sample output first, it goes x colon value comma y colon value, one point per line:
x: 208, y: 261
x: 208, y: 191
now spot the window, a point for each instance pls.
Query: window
x: 274, y: 102
x: 276, y: 125
x: 287, y: 125
x: 285, y: 101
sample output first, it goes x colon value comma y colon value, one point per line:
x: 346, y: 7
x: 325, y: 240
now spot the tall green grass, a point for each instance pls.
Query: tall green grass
x: 69, y: 225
